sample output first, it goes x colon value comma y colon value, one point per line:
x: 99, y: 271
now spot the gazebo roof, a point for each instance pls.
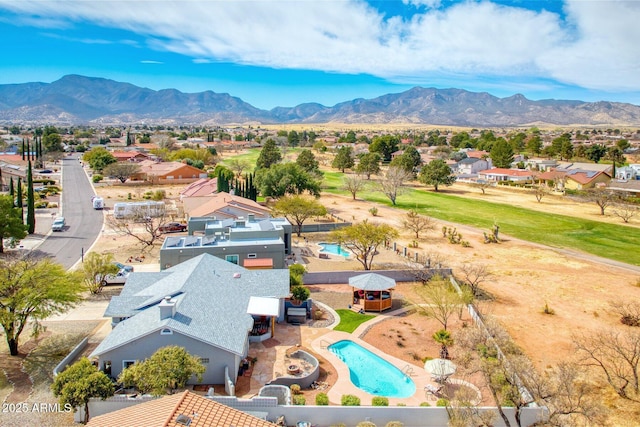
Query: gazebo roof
x: 372, y: 282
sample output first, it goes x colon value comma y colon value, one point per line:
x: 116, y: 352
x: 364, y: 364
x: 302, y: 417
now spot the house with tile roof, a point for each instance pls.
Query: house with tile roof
x: 223, y: 205
x: 201, y: 304
x: 167, y: 172
x: 130, y: 156
x: 178, y: 410
x: 502, y: 174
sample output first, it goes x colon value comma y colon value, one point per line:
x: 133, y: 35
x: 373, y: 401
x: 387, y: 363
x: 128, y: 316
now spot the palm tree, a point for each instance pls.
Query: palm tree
x: 443, y: 337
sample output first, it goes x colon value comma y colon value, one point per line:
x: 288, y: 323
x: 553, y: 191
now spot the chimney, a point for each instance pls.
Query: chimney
x: 167, y: 308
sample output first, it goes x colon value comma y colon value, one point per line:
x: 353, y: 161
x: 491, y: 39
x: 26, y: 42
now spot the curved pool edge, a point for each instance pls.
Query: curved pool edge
x: 344, y: 385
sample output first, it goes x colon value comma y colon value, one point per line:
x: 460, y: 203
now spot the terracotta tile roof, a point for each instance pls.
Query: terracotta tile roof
x: 221, y: 200
x: 125, y: 155
x: 165, y: 411
x: 508, y: 172
x: 200, y: 188
x: 477, y: 154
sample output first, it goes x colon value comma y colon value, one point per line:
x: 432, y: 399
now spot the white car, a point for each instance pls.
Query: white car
x: 58, y: 224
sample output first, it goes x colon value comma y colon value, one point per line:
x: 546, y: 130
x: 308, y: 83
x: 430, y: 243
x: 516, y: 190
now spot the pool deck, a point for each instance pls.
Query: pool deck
x: 271, y: 360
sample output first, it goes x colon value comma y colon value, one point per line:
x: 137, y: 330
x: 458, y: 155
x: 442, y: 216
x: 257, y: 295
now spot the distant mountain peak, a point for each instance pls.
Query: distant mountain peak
x: 76, y: 99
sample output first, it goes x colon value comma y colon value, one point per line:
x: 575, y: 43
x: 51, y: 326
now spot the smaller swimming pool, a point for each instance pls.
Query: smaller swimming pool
x: 333, y: 248
x: 371, y: 373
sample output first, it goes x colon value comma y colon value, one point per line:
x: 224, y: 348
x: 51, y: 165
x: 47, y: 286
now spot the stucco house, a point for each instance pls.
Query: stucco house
x: 205, y: 304
x: 223, y: 205
x: 577, y: 179
x: 472, y: 165
x: 167, y: 172
x: 130, y: 156
x: 502, y: 174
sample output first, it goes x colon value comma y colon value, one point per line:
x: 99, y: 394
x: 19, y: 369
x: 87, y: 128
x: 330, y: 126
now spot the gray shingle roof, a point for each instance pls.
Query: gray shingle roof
x: 372, y: 282
x: 211, y: 302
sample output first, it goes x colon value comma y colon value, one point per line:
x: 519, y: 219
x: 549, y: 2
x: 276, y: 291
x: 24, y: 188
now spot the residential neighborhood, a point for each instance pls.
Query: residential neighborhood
x: 262, y: 282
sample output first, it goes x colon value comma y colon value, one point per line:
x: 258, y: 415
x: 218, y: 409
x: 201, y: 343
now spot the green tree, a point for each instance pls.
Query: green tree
x: 363, y: 239
x: 31, y: 208
x: 293, y: 139
x: 11, y: 222
x: 343, y: 159
x: 95, y: 268
x: 596, y: 152
x: 52, y: 142
x: 32, y: 290
x: 501, y: 154
x: 307, y: 161
x: 269, y: 155
x: 534, y: 144
x: 616, y: 155
x: 288, y: 178
x: 238, y: 166
x: 167, y: 369
x: 369, y: 164
x: 409, y: 160
x: 77, y: 384
x: 98, y: 158
x: 443, y: 337
x: 122, y: 171
x: 298, y: 209
x: 384, y: 145
x: 436, y: 173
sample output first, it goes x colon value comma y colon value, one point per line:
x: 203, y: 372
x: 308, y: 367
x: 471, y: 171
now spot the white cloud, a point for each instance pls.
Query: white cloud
x: 596, y: 47
x: 147, y: 61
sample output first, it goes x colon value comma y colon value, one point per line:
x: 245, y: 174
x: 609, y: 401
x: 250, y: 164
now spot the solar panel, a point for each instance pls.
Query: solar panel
x: 208, y: 240
x: 191, y: 241
x: 173, y: 242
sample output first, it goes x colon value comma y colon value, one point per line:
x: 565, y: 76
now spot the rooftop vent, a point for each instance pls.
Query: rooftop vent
x: 236, y: 275
x: 183, y: 420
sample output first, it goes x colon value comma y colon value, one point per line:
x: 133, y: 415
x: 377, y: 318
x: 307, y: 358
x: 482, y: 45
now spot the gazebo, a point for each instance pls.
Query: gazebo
x: 372, y: 291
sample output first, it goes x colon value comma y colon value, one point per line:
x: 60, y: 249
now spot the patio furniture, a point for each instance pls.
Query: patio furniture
x: 374, y: 290
x: 431, y: 389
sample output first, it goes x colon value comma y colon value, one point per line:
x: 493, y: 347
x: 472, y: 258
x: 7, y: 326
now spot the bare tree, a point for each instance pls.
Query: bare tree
x: 625, y: 211
x: 392, y: 184
x: 629, y: 311
x: 238, y: 166
x: 474, y: 275
x: 417, y: 223
x: 540, y: 191
x: 601, y: 197
x: 354, y: 184
x: 441, y: 301
x: 140, y: 225
x: 617, y: 355
x: 121, y: 170
x: 482, y: 185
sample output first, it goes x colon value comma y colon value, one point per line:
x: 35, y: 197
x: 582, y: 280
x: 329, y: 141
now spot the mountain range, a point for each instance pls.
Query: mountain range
x: 77, y: 100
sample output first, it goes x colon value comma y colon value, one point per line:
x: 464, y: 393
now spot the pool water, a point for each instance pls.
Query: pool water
x: 371, y: 373
x: 333, y: 248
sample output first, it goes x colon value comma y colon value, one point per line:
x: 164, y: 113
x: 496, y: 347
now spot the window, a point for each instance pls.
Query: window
x: 204, y: 360
x: 166, y: 331
x: 252, y: 255
x: 127, y: 363
x: 232, y: 259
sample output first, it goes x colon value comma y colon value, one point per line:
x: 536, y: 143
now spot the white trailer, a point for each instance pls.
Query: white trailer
x: 98, y: 203
x: 138, y: 210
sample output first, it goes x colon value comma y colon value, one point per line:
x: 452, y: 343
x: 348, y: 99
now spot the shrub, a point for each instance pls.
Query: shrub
x: 365, y: 424
x: 300, y: 293
x: 322, y: 399
x: 97, y: 178
x: 40, y: 205
x: 350, y: 400
x: 379, y: 401
x: 297, y: 269
x: 373, y: 211
x: 394, y: 424
x: 424, y: 404
x: 52, y: 205
x: 548, y: 310
x: 299, y: 400
x: 295, y: 388
x: 159, y: 195
x: 401, y: 404
x: 442, y: 402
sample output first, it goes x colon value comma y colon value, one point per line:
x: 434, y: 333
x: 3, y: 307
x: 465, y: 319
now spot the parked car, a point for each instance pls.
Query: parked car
x: 172, y: 227
x: 58, y: 224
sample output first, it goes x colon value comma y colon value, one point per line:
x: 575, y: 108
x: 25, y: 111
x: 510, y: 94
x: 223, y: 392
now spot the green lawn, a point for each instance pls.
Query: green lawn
x: 616, y: 242
x: 350, y: 320
x: 250, y: 156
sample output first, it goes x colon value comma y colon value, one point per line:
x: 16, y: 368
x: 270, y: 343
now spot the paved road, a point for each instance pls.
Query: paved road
x: 83, y: 222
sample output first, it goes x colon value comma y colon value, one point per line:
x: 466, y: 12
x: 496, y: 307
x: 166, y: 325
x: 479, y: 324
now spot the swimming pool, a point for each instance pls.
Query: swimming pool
x: 371, y: 373
x: 333, y: 248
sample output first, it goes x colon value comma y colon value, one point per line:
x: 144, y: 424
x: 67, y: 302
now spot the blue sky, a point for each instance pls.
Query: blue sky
x: 284, y: 53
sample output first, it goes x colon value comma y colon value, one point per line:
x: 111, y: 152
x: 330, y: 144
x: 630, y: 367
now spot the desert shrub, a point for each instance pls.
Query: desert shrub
x: 394, y: 424
x: 548, y: 310
x: 297, y: 269
x: 379, y: 401
x: 401, y: 404
x: 40, y: 205
x: 52, y: 205
x: 322, y: 399
x: 299, y: 400
x: 97, y: 178
x: 295, y: 388
x: 159, y: 195
x: 373, y: 211
x: 425, y: 404
x: 442, y: 402
x: 365, y: 424
x: 350, y: 400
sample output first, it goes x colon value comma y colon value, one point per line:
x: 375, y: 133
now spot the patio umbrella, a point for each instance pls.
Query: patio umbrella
x: 440, y: 369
